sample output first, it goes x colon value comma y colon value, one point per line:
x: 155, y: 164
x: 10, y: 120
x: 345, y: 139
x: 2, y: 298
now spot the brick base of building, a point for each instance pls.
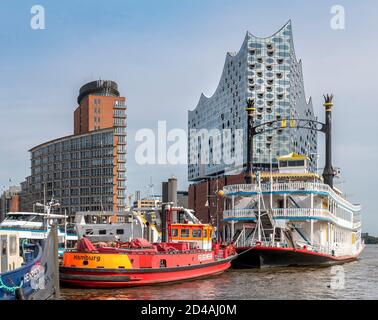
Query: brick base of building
x: 205, y: 201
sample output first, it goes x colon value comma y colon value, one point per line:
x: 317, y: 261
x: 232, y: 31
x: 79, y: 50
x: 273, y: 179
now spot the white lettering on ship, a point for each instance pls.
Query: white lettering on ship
x: 205, y: 256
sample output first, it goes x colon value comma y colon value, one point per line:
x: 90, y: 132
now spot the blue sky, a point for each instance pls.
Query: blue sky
x: 163, y: 54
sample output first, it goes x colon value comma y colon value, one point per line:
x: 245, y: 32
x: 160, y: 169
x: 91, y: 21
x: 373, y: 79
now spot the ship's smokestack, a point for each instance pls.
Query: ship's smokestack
x: 328, y: 172
x: 163, y: 214
x: 250, y: 113
x: 169, y: 198
x: 172, y: 190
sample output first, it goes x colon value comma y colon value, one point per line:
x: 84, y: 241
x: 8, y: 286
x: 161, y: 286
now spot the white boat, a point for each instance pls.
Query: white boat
x: 28, y: 273
x: 291, y: 217
x: 32, y: 225
x: 110, y: 226
x: 35, y: 226
x: 107, y: 226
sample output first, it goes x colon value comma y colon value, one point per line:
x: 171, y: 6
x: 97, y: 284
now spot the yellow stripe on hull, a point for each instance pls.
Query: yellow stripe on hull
x: 96, y: 260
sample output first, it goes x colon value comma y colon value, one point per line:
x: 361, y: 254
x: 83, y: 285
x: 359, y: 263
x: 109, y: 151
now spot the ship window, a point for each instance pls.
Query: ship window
x: 205, y: 233
x: 174, y: 232
x: 283, y: 163
x: 184, y: 233
x: 196, y: 233
x: 163, y: 263
x: 4, y: 248
x: 298, y: 163
x: 120, y: 231
x: 102, y: 232
x: 12, y: 245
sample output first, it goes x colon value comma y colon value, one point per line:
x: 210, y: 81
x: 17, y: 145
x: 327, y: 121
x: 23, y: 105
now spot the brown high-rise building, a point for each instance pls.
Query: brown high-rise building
x: 85, y: 171
x: 97, y: 101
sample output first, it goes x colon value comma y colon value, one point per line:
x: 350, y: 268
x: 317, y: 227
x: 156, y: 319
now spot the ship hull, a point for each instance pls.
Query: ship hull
x: 117, y: 278
x: 265, y: 257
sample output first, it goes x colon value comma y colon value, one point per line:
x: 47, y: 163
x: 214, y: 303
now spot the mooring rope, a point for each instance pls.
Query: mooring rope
x: 8, y: 288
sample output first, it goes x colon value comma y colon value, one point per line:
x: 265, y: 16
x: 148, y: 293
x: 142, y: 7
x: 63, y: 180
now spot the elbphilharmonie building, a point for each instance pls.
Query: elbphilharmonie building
x: 267, y: 70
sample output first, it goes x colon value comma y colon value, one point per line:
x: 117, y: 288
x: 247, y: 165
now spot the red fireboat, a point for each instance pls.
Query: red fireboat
x: 188, y: 253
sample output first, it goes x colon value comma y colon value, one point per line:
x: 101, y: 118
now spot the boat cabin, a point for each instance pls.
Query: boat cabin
x: 114, y: 226
x: 10, y: 258
x: 197, y: 235
x: 293, y: 163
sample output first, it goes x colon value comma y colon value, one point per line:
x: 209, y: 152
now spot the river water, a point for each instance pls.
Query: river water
x: 354, y: 280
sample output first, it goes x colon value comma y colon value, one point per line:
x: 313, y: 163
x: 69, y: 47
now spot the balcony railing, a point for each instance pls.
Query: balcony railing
x: 288, y: 213
x: 289, y: 187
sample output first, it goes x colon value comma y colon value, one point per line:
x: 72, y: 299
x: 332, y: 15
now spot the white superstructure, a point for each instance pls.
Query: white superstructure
x: 115, y: 226
x: 293, y: 208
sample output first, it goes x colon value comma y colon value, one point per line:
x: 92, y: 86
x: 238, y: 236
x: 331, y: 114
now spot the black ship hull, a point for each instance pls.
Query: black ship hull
x: 262, y: 257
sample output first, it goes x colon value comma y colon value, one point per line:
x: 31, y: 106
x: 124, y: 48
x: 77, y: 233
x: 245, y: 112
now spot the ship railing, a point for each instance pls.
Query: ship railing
x: 336, y: 250
x: 319, y: 248
x: 357, y: 225
x: 290, y: 186
x: 240, y: 240
x: 275, y: 244
x: 239, y: 213
x: 316, y: 213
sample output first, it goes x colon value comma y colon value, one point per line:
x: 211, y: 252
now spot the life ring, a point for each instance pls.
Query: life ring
x: 258, y: 243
